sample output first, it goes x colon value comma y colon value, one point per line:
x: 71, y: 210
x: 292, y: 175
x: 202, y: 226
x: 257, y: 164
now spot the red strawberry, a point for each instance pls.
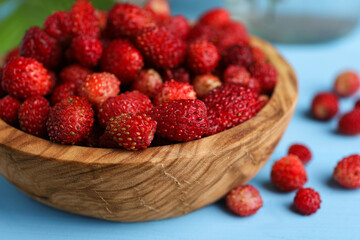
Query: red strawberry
x: 236, y: 74
x: 84, y: 20
x: 254, y: 84
x: 9, y: 108
x: 349, y: 124
x: 53, y: 80
x: 239, y: 54
x: 178, y: 74
x: 244, y: 200
x: 122, y: 59
x: 107, y: 141
x: 178, y: 25
x: 325, y: 106
x: 263, y: 100
x: 203, y: 84
x: 70, y: 121
x: 347, y: 172
x: 301, y: 151
x: 37, y: 44
x: 87, y: 50
x: 202, y: 57
x: 126, y: 20
x: 128, y: 102
x: 307, y: 201
x: 13, y: 53
x: 132, y: 131
x: 59, y: 25
x: 230, y: 105
x: 98, y: 87
x: 33, y: 114
x: 160, y: 47
x: 203, y: 32
x: 258, y: 55
x: 216, y: 18
x: 74, y: 74
x: 62, y: 91
x: 173, y: 90
x: 181, y: 120
x: 288, y: 173
x: 102, y: 17
x: 160, y: 9
x: 266, y: 74
x: 25, y: 77
x: 147, y: 82
x: 347, y: 83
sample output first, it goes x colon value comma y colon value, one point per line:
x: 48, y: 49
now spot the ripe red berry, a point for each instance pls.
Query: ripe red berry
x: 37, y: 44
x: 236, y: 74
x: 147, y: 82
x: 2, y: 92
x: 307, y: 201
x: 263, y: 100
x: 128, y: 102
x: 173, y: 90
x: 288, y: 173
x: 254, y: 84
x: 347, y: 172
x: 203, y: 84
x: 74, y: 74
x: 325, y: 106
x: 181, y: 120
x: 122, y: 59
x: 61, y: 92
x: 126, y: 20
x: 231, y: 34
x: 244, y: 200
x: 216, y: 17
x: 70, y: 121
x: 9, y: 108
x: 203, y: 32
x: 178, y: 25
x: 178, y: 74
x: 239, y: 54
x: 202, y: 57
x: 102, y: 17
x: 84, y: 19
x: 347, y: 84
x: 301, y: 151
x: 58, y: 25
x: 25, y: 77
x: 132, y: 131
x: 258, y: 55
x: 98, y: 87
x: 230, y: 105
x: 349, y: 124
x: 266, y: 74
x: 160, y: 47
x: 11, y: 54
x: 87, y: 50
x: 33, y: 114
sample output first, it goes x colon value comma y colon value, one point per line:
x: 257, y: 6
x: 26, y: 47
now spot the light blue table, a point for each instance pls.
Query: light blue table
x: 338, y: 218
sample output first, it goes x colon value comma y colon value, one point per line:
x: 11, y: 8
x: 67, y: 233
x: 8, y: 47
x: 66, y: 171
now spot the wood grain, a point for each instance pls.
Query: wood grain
x: 156, y: 183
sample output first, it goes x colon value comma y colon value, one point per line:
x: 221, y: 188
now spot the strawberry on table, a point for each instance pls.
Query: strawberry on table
x: 307, y: 201
x: 325, y: 106
x: 244, y: 200
x: 346, y: 172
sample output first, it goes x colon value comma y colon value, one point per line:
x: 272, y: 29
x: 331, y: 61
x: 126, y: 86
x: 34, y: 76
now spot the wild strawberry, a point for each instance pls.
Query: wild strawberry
x: 160, y: 9
x: 230, y: 35
x: 325, y: 106
x: 307, y: 201
x: 25, y: 77
x: 178, y: 74
x: 263, y: 100
x: 9, y: 108
x: 244, y: 200
x: 70, y: 121
x: 74, y: 74
x: 107, y: 141
x: 236, y: 74
x: 178, y: 25
x: 216, y: 17
x: 203, y: 84
x: 254, y: 84
x: 53, y: 80
x: 128, y: 102
x: 202, y: 57
x: 122, y: 59
x: 84, y: 20
x: 258, y: 55
x: 181, y: 120
x: 59, y: 25
x: 349, y: 124
x: 301, y: 151
x: 33, y: 114
x: 173, y: 90
x: 61, y: 92
x: 347, y: 172
x: 102, y: 17
x: 37, y: 44
x: 132, y: 131
x: 239, y: 54
x: 126, y: 20
x: 87, y: 50
x: 266, y: 74
x: 160, y: 47
x: 203, y: 32
x: 230, y: 105
x: 13, y: 53
x: 347, y: 83
x: 288, y: 173
x: 98, y: 87
x: 147, y: 82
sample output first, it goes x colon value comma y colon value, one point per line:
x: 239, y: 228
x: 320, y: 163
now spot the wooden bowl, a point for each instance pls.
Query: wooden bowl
x: 156, y: 183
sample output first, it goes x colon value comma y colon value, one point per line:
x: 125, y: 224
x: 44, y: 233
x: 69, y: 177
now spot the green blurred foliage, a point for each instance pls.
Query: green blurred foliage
x: 16, y: 16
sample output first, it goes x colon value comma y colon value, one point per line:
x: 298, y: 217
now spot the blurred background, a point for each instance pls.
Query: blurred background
x: 286, y: 21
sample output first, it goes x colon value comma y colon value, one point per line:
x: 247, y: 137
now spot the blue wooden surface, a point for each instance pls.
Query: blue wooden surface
x: 338, y: 218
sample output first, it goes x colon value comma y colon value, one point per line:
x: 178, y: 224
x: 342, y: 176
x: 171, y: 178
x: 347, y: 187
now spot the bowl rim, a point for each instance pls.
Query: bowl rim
x: 16, y: 140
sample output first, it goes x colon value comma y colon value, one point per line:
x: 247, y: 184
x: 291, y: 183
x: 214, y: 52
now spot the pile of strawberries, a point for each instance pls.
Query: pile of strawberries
x: 122, y: 77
